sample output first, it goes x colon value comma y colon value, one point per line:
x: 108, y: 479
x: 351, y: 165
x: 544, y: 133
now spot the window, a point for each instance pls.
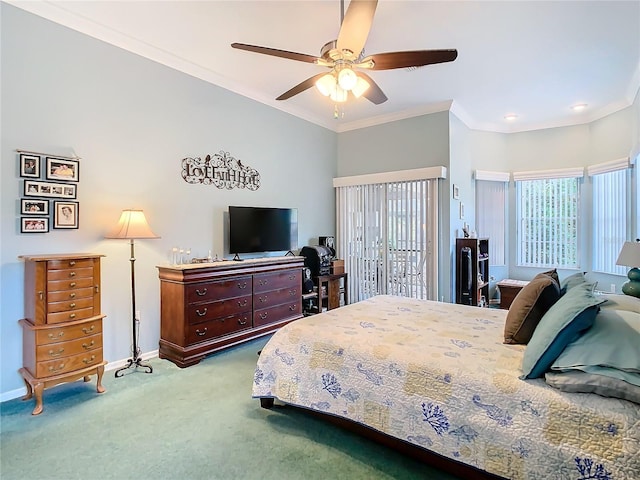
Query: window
x: 611, y: 195
x: 547, y: 214
x: 491, y: 221
x: 387, y: 233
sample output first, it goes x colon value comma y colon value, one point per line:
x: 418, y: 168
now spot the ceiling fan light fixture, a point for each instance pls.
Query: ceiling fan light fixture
x: 361, y: 86
x: 326, y: 84
x: 347, y: 78
x: 339, y: 95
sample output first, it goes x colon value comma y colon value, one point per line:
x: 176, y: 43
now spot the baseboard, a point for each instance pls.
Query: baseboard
x: 21, y: 392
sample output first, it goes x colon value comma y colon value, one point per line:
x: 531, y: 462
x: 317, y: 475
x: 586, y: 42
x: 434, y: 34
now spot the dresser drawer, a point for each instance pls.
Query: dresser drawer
x: 53, y: 351
x: 70, y: 273
x: 218, y: 327
x: 234, y: 287
x: 70, y: 295
x: 199, y: 312
x: 274, y: 314
x: 69, y: 284
x: 276, y: 297
x: 69, y: 305
x: 71, y: 332
x: 70, y: 315
x: 264, y: 282
x: 70, y: 263
x: 68, y: 364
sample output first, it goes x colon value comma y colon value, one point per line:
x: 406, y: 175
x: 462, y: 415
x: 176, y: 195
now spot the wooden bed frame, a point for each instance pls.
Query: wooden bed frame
x: 433, y: 459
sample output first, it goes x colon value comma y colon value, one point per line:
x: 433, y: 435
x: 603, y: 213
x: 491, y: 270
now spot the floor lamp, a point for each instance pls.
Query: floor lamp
x: 133, y: 225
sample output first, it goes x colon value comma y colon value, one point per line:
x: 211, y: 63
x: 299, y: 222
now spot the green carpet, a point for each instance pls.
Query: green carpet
x: 193, y: 423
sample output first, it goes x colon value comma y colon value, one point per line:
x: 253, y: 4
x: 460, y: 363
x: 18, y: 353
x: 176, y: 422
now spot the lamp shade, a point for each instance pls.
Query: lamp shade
x: 132, y: 224
x: 629, y: 255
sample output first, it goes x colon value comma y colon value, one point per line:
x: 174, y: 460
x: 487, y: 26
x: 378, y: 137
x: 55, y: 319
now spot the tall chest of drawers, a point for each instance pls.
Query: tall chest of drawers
x: 62, y: 328
x: 207, y: 307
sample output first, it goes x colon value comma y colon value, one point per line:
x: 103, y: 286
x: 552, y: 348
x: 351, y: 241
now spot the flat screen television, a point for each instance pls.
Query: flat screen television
x: 262, y: 229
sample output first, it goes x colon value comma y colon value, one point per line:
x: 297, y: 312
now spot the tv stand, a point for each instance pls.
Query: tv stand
x: 207, y: 307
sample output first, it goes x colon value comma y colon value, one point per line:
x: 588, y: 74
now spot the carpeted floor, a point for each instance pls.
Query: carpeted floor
x: 193, y: 423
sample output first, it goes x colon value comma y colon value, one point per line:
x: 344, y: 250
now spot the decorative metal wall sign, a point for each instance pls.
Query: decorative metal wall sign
x: 221, y: 170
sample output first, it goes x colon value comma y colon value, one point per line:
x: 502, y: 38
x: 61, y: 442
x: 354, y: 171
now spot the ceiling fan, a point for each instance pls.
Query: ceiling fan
x: 346, y: 59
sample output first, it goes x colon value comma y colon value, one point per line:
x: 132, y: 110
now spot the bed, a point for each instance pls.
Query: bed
x: 438, y: 377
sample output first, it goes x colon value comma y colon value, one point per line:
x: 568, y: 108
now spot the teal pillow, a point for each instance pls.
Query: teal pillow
x: 612, y: 341
x: 574, y: 313
x: 572, y: 281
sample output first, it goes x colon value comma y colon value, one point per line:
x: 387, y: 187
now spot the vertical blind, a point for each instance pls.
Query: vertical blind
x: 547, y: 212
x: 387, y: 234
x: 491, y: 217
x: 611, y: 194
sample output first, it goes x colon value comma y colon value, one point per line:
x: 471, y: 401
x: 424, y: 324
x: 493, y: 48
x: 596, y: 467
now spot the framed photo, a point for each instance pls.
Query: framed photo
x: 456, y: 192
x: 30, y: 206
x: 33, y: 188
x: 34, y: 225
x: 29, y: 165
x: 63, y: 169
x: 65, y: 214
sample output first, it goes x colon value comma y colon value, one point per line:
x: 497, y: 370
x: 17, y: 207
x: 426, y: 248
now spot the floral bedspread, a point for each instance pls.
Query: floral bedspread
x: 437, y: 375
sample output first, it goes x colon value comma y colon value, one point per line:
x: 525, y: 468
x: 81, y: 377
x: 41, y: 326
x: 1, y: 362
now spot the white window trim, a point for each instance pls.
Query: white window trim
x: 492, y: 176
x: 390, y: 177
x: 575, y: 172
x: 611, y: 166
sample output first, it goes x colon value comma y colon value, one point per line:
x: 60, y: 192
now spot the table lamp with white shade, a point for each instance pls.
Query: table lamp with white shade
x: 630, y: 257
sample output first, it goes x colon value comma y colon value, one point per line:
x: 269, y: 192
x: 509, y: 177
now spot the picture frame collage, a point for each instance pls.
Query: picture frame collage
x: 49, y: 193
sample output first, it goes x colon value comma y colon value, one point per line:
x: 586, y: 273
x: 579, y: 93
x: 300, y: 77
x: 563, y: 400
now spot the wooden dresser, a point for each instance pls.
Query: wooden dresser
x: 62, y: 328
x: 207, y: 307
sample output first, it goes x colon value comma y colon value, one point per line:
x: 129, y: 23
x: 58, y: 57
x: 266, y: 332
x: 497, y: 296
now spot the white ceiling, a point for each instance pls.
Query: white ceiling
x: 532, y: 58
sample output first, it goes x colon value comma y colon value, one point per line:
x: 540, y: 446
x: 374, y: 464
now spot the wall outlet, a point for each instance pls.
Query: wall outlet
x: 613, y: 288
x: 138, y: 315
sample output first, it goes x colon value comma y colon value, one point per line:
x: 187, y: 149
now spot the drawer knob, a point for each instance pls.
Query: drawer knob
x: 263, y: 282
x: 89, y: 360
x: 293, y: 307
x: 72, y: 263
x: 242, y: 303
x: 293, y: 292
x: 88, y: 330
x: 72, y: 305
x: 51, y: 335
x: 72, y: 274
x: 72, y: 284
x: 242, y: 285
x: 202, y: 314
x: 72, y: 315
x: 55, y: 354
x: 263, y: 299
x: 202, y: 292
x: 263, y: 316
x: 292, y: 276
x: 243, y: 321
x: 72, y: 295
x: 53, y: 368
x: 201, y: 333
x: 87, y: 347
x: 41, y: 295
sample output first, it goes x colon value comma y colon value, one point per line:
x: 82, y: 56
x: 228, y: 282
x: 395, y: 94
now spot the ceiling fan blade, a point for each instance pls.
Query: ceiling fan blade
x: 355, y: 27
x: 301, y: 87
x: 415, y: 58
x: 374, y: 93
x: 301, y: 57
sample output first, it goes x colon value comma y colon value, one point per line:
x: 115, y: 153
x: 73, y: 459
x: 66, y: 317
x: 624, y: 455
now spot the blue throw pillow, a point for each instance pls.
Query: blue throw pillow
x: 574, y: 313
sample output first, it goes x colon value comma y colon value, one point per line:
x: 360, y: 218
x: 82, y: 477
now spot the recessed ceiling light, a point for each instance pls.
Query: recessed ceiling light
x: 579, y: 107
x: 510, y: 117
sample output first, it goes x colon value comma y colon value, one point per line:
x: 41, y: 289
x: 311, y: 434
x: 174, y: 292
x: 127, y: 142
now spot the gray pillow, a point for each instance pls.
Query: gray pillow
x: 613, y: 341
x: 572, y: 281
x: 576, y: 381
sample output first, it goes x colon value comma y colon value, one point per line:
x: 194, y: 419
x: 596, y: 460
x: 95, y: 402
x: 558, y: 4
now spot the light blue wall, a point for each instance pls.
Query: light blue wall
x: 132, y: 121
